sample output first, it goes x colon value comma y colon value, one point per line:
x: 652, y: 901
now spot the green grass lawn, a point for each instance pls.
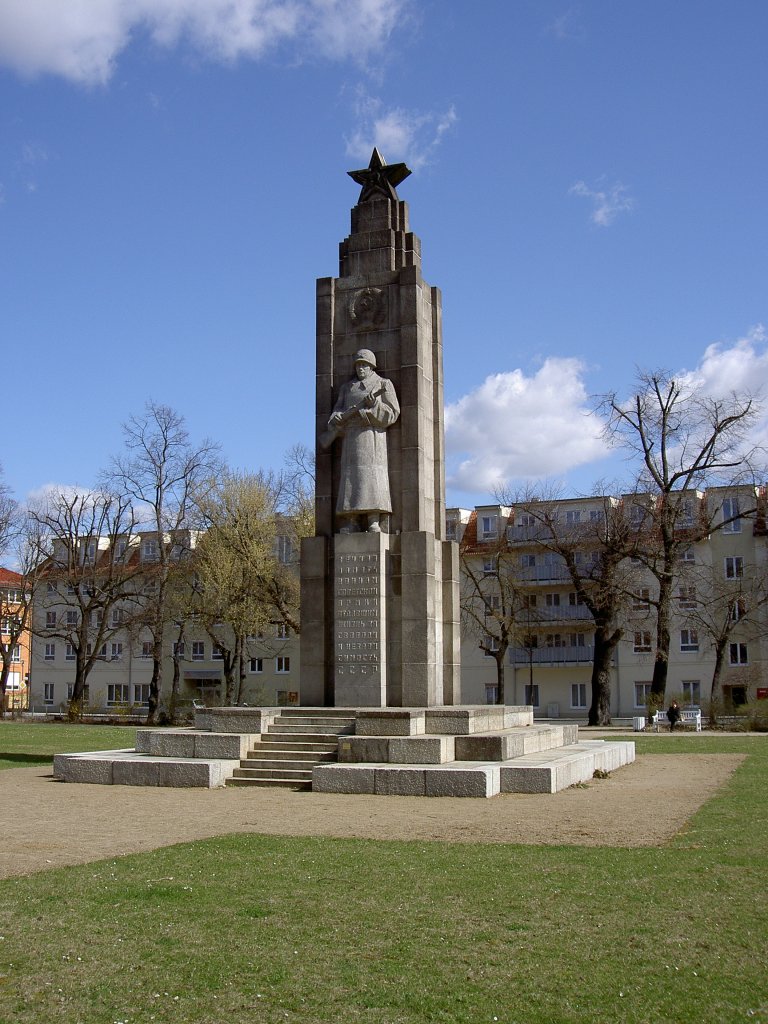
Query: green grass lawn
x: 255, y: 928
x: 30, y: 743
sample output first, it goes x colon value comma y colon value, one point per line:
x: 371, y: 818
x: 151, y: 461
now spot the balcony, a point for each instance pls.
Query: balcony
x: 566, y: 655
x: 555, y: 571
x: 560, y: 613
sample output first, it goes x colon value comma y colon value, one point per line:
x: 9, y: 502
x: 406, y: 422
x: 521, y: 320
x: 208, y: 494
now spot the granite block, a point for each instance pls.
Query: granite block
x: 136, y: 773
x: 76, y: 768
x: 224, y: 745
x: 143, y: 738
x: 363, y: 749
x: 172, y: 744
x: 338, y: 778
x: 395, y: 781
x: 391, y: 722
x: 188, y: 775
x: 421, y: 750
x: 477, y: 782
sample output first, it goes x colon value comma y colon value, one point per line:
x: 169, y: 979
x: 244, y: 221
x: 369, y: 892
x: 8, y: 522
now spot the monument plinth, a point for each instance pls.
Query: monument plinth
x: 380, y: 601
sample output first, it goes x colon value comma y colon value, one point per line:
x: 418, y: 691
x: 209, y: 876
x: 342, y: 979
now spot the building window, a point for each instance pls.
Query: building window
x: 575, y: 600
x: 284, y: 550
x: 149, y: 550
x: 86, y: 692
x: 687, y: 597
x: 178, y: 649
x: 71, y: 617
x: 734, y: 567
x: 532, y: 695
x: 491, y: 692
x: 117, y: 617
x: 120, y: 549
x: 552, y: 600
x: 573, y: 516
x: 642, y: 693
x: 69, y: 653
x: 738, y: 654
x: 117, y: 652
x: 48, y: 693
x: 641, y: 600
x: 554, y: 640
x: 16, y: 653
x: 578, y: 695
x: 738, y: 609
x: 217, y: 654
x: 528, y: 561
x: 691, y: 691
x: 118, y: 693
x: 489, y: 566
x: 636, y: 514
x: 198, y: 650
x: 50, y: 620
x: 489, y: 527
x: 731, y: 511
x: 642, y: 643
x: 146, y: 649
x: 576, y: 639
x: 50, y: 652
x: 282, y: 665
x: 689, y: 640
x: 141, y: 693
x: 685, y: 514
x: 450, y: 529
x: 596, y: 515
x: 490, y: 645
x: 687, y: 555
x: 256, y: 665
x: 282, y: 631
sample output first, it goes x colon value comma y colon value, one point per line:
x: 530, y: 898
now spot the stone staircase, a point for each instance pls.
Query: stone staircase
x: 293, y: 745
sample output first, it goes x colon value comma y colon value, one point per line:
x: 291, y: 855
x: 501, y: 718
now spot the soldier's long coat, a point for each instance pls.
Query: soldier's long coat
x: 364, y: 485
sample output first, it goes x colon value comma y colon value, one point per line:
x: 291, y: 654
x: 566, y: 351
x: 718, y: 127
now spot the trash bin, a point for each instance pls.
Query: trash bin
x: 638, y: 723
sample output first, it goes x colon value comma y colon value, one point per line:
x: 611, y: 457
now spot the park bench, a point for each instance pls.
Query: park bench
x: 688, y: 716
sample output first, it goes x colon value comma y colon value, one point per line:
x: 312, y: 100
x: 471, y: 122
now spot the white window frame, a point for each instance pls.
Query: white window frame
x: 738, y: 654
x: 689, y: 641
x: 691, y: 691
x: 491, y: 692
x: 256, y: 665
x: 730, y: 510
x: 579, y: 696
x: 116, y: 651
x: 49, y: 694
x: 217, y: 653
x: 282, y: 664
x: 118, y: 693
x: 734, y: 567
x: 642, y: 641
x: 198, y: 650
x: 489, y: 527
x: 642, y: 701
x: 141, y: 694
x: 146, y: 648
x: 50, y: 652
x: 69, y: 653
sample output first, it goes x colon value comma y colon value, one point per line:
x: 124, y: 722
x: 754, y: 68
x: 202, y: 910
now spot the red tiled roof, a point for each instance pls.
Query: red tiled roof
x: 9, y: 576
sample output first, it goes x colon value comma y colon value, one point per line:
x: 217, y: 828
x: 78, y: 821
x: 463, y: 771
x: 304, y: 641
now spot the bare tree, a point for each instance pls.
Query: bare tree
x: 594, y: 557
x: 685, y: 441
x: 88, y: 584
x: 494, y: 605
x: 161, y: 472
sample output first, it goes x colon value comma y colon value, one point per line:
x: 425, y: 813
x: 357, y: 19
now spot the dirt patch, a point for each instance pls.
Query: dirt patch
x: 44, y: 823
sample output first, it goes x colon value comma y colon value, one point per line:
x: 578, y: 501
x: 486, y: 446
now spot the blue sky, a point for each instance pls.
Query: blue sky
x: 589, y: 186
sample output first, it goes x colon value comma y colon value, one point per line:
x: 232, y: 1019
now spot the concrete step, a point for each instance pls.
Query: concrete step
x: 331, y: 724
x: 277, y: 783
x: 280, y: 772
x: 292, y: 729
x: 282, y: 764
x: 291, y: 742
x: 274, y: 753
x: 307, y: 712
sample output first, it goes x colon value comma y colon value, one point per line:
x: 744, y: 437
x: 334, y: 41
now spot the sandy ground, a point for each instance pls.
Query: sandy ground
x: 45, y: 823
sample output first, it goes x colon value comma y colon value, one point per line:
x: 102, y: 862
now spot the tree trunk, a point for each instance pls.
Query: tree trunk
x: 716, y: 693
x: 600, y: 707
x: 499, y: 655
x: 241, y: 668
x: 229, y: 678
x: 154, y: 686
x: 4, y: 673
x: 661, y: 661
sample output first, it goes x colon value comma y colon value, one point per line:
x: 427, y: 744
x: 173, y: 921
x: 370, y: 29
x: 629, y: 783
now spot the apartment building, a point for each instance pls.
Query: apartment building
x: 11, y: 601
x: 721, y: 575
x: 113, y: 632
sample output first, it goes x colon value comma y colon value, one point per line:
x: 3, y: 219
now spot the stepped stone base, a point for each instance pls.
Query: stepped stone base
x: 446, y: 751
x: 130, y: 768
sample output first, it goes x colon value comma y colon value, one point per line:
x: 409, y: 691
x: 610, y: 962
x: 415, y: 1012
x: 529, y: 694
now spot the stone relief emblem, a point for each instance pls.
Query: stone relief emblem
x: 367, y: 309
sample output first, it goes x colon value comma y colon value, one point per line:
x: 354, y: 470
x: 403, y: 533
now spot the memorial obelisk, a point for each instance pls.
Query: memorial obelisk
x: 379, y: 582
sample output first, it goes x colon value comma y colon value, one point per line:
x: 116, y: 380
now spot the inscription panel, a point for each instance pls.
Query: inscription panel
x: 359, y: 630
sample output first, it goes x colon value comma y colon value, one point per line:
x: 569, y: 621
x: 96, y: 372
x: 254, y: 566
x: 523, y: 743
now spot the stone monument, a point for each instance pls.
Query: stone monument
x: 379, y: 582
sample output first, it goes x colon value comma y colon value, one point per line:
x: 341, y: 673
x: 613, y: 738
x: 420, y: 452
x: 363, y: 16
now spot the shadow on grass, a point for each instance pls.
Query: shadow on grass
x: 25, y: 759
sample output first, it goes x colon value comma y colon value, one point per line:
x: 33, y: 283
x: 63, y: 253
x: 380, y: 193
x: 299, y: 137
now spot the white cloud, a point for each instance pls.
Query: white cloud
x: 515, y: 427
x: 399, y: 134
x: 740, y: 366
x: 607, y: 202
x: 82, y: 39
